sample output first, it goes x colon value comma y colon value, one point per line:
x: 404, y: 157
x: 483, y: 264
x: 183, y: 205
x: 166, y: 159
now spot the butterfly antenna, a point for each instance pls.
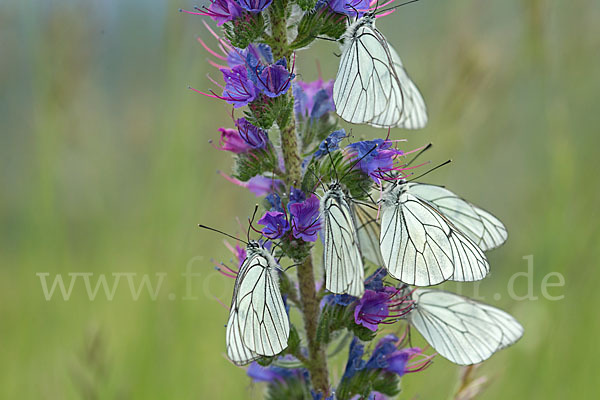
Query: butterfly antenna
x: 355, y: 10
x: 419, y: 154
x: 333, y: 165
x: 359, y: 160
x: 399, y: 5
x: 431, y: 170
x: 221, y: 232
x: 365, y: 191
x: 251, y: 220
x: 319, y: 181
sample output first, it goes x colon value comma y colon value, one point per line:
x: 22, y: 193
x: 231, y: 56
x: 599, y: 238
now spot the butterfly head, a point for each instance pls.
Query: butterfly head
x: 253, y: 245
x: 334, y: 186
x: 370, y: 16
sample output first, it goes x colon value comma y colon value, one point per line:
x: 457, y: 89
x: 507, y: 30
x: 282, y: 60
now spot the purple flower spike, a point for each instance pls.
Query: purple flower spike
x: 254, y: 6
x: 232, y: 141
x: 376, y: 157
x: 305, y: 219
x: 253, y: 136
x: 239, y: 90
x: 276, y: 224
x: 274, y: 80
x: 372, y: 309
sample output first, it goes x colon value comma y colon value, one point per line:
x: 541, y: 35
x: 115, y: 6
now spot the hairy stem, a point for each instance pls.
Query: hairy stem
x: 310, y: 309
x: 317, y: 363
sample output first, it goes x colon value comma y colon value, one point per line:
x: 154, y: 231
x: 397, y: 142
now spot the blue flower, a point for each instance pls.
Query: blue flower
x: 375, y: 280
x: 305, y: 219
x: 276, y: 224
x: 257, y: 58
x: 239, y: 90
x: 275, y: 202
x: 258, y: 373
x: 274, y: 79
x: 372, y: 309
x: 274, y: 373
x: 343, y: 300
x: 254, y: 6
x: 313, y: 99
x: 388, y: 357
x: 319, y: 396
x: 232, y: 141
x: 349, y: 7
x: 331, y: 143
x: 296, y: 196
x: 220, y: 11
x: 376, y: 157
x: 260, y: 51
x: 355, y: 362
x: 259, y: 185
x: 255, y: 137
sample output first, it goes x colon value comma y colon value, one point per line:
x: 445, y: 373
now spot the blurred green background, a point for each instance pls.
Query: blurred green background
x: 106, y: 168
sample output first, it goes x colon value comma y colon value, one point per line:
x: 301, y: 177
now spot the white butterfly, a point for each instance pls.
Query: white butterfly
x: 479, y: 225
x: 422, y: 246
x: 369, y: 230
x: 460, y: 329
x: 342, y: 261
x: 258, y: 323
x: 371, y: 85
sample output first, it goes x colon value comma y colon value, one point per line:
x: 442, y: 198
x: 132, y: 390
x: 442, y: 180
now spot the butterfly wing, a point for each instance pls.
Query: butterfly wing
x: 480, y: 226
x: 259, y: 325
x: 415, y: 242
x: 369, y: 230
x: 414, y: 112
x: 462, y: 330
x: 342, y: 261
x: 511, y: 329
x: 421, y: 247
x: 372, y: 86
x: 366, y: 88
x: 237, y: 351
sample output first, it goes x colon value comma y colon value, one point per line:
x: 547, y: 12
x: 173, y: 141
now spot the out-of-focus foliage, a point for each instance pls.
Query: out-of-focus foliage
x: 106, y: 168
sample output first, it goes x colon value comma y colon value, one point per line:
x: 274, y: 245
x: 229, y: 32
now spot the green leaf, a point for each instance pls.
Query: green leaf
x: 293, y: 341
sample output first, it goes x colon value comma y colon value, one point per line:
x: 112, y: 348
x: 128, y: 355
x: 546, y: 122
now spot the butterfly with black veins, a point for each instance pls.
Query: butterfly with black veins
x: 342, y: 260
x: 430, y: 235
x: 460, y: 329
x: 372, y: 87
x: 258, y: 323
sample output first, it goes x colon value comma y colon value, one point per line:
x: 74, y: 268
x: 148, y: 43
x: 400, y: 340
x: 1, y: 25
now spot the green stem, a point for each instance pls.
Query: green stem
x: 310, y: 309
x: 317, y: 362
